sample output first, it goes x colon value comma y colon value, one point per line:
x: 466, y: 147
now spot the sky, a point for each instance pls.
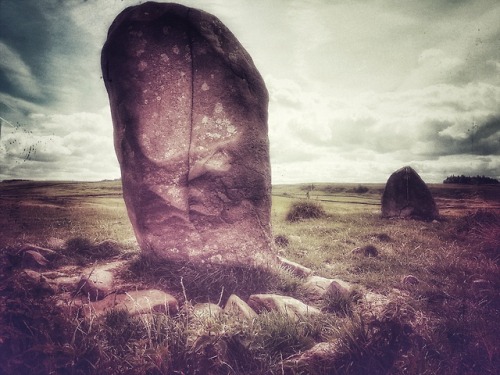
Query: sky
x: 358, y: 89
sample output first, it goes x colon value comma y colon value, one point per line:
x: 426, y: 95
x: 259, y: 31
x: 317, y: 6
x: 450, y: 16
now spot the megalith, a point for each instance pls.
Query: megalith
x: 407, y: 196
x: 189, y: 110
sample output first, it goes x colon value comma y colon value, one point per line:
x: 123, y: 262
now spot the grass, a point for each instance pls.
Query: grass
x: 444, y: 324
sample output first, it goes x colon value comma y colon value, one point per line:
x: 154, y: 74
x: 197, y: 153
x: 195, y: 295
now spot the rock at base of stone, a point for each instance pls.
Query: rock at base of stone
x: 134, y: 302
x: 235, y: 306
x: 407, y: 196
x: 287, y: 306
x: 96, y: 285
x: 189, y: 110
x: 295, y: 268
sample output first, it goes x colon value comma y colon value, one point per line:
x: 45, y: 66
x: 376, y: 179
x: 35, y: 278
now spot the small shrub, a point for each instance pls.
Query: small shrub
x: 83, y: 251
x: 360, y: 189
x: 281, y: 240
x: 305, y: 210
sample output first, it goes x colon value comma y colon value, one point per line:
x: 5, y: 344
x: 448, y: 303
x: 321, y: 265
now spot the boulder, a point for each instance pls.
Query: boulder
x: 407, y: 196
x: 189, y: 111
x: 285, y: 305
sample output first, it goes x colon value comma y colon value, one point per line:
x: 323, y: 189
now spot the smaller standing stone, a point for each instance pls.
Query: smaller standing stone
x: 407, y: 196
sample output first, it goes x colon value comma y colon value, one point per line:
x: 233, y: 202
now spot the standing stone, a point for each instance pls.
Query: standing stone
x: 407, y: 196
x: 189, y: 110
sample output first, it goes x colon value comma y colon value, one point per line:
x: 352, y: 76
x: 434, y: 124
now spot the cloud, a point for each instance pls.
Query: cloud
x: 372, y: 133
x: 77, y: 146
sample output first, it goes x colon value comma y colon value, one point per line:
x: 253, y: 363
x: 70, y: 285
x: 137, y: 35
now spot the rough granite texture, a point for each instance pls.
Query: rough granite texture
x: 189, y: 110
x: 407, y: 196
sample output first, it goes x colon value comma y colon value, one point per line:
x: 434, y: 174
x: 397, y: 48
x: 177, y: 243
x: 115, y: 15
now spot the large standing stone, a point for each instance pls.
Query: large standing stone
x: 407, y: 196
x: 190, y: 117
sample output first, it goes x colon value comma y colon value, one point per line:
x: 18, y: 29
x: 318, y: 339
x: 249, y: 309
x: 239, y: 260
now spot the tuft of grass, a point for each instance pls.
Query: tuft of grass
x: 281, y: 240
x: 83, y: 251
x: 341, y: 304
x: 305, y: 210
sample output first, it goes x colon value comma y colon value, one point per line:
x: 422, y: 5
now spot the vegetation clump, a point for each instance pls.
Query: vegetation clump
x: 281, y: 240
x: 468, y: 180
x: 304, y: 210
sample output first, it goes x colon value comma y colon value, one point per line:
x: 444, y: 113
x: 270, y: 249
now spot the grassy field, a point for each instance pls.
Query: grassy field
x: 445, y: 324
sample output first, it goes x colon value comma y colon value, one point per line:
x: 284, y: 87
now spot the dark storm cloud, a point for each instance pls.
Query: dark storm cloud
x: 479, y: 139
x: 42, y: 51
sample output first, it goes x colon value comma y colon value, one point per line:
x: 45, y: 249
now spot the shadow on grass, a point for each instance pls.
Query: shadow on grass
x: 210, y: 282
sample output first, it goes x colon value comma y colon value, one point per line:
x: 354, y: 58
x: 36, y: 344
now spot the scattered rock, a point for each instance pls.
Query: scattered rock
x: 239, y: 308
x: 35, y: 281
x: 295, y: 268
x: 189, y: 111
x: 47, y: 253
x: 285, y: 305
x: 410, y: 280
x: 96, y: 285
x: 316, y: 285
x: 315, y: 360
x: 407, y: 196
x: 367, y: 251
x: 33, y: 259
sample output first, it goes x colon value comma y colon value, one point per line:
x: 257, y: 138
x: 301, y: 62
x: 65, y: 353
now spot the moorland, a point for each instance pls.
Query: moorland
x: 446, y: 322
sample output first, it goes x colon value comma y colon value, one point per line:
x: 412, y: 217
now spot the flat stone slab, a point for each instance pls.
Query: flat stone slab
x: 135, y: 302
x: 96, y: 285
x: 285, y: 305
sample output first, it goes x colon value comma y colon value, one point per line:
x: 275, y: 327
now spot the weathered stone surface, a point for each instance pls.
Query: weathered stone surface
x: 407, y: 196
x: 189, y: 110
x: 285, y: 305
x: 96, y: 285
x: 295, y: 268
x: 237, y: 307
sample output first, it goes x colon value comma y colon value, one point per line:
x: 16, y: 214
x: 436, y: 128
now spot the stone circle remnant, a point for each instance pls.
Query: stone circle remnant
x: 189, y: 110
x: 407, y: 196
